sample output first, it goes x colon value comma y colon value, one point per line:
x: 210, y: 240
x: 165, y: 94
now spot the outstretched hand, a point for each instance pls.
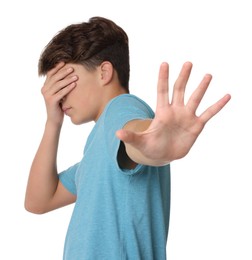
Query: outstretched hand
x: 175, y: 128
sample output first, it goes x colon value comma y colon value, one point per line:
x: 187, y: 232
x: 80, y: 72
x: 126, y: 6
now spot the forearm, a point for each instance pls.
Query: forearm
x: 138, y: 157
x: 43, y: 177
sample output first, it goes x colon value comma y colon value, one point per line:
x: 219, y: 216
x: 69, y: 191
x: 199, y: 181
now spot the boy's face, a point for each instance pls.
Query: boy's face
x: 84, y: 103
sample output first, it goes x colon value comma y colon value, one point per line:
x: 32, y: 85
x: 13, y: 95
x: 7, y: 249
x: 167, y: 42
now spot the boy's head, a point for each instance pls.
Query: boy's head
x: 89, y: 44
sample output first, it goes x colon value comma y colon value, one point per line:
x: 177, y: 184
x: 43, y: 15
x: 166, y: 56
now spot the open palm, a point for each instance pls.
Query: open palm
x: 175, y: 128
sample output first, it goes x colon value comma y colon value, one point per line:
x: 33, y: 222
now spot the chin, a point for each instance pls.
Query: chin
x: 75, y: 122
x: 80, y: 121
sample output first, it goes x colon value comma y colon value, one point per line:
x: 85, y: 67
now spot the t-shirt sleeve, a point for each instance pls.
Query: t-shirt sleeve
x: 120, y: 111
x: 67, y: 178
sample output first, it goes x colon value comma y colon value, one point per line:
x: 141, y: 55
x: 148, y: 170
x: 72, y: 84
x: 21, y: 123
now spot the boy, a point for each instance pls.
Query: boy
x: 121, y: 187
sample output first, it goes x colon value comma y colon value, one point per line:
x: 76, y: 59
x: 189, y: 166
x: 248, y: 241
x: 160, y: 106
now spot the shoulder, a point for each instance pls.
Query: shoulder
x: 129, y: 104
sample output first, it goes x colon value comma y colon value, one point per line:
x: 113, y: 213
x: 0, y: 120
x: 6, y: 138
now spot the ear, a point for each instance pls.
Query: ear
x: 106, y: 71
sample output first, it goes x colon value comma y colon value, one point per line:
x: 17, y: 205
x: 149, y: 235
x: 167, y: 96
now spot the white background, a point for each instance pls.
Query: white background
x: 211, y: 188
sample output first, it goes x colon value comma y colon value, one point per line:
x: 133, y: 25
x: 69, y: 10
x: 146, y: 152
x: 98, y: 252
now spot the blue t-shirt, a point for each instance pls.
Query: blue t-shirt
x: 119, y: 214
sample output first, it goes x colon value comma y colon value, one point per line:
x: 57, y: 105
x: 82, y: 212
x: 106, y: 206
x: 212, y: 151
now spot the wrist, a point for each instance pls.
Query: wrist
x: 53, y: 125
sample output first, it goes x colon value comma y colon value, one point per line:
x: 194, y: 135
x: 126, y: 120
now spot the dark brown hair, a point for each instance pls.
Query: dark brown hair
x: 89, y: 43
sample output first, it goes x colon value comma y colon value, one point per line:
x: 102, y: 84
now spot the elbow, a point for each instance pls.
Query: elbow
x: 34, y: 208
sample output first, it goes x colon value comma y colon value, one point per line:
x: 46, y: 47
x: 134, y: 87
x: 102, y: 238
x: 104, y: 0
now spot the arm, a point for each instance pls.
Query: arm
x: 44, y: 190
x: 175, y: 128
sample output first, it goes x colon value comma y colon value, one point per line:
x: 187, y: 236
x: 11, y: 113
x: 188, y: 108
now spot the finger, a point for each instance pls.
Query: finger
x: 198, y: 94
x: 57, y: 78
x: 58, y: 73
x: 127, y: 136
x: 64, y: 91
x: 64, y: 83
x: 49, y: 89
x: 163, y: 85
x: 63, y: 73
x: 55, y: 69
x: 214, y: 109
x: 180, y: 84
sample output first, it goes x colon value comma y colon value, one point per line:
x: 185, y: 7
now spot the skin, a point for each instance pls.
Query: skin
x: 72, y: 90
x: 175, y: 125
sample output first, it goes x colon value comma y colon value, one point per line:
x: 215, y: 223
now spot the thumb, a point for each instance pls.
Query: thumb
x: 126, y: 136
